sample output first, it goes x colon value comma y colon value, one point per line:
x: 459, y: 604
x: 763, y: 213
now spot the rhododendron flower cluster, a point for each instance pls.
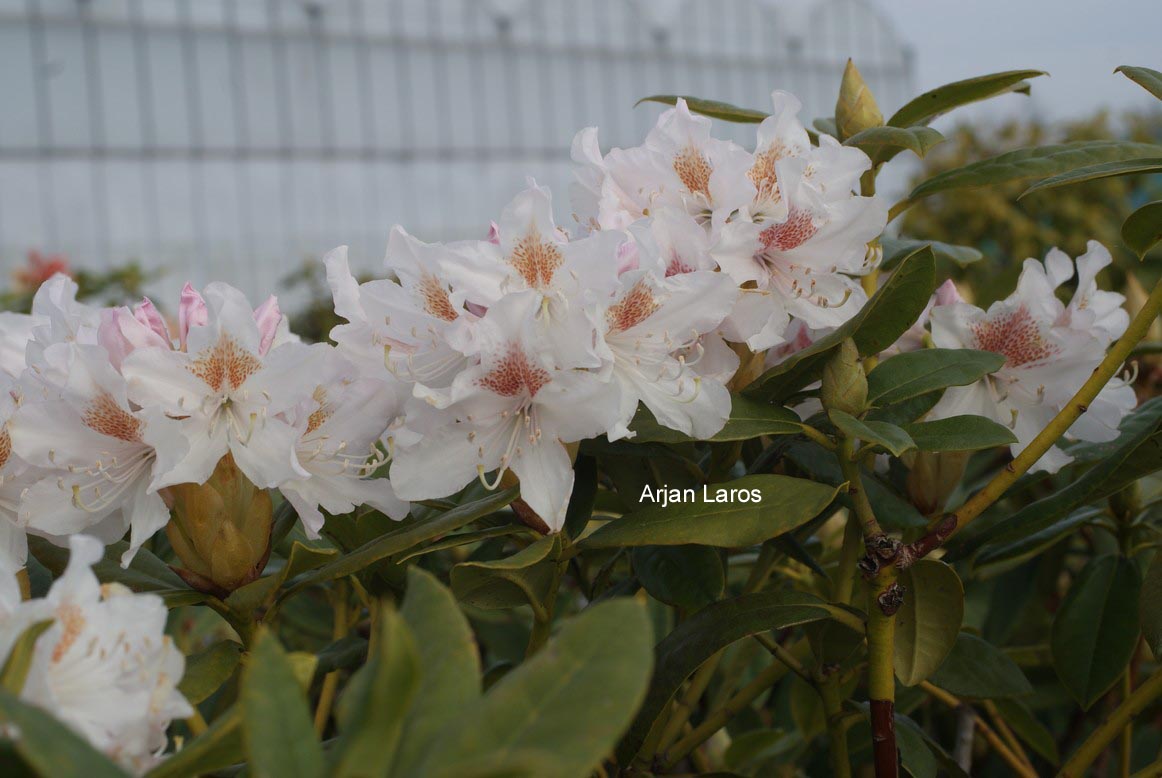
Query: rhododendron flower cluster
x: 104, y: 666
x: 110, y: 408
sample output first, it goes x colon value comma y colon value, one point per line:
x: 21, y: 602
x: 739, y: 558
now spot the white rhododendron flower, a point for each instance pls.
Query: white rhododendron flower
x: 105, y: 667
x: 1050, y: 349
x: 514, y: 409
x: 227, y: 389
x: 111, y: 452
x: 16, y: 477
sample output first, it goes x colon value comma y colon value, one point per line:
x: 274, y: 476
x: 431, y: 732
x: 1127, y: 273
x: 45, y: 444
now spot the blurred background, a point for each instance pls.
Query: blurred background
x: 147, y: 142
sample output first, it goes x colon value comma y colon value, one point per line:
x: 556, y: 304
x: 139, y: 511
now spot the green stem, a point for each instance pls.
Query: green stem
x: 848, y: 557
x: 1127, y: 733
x: 784, y: 655
x: 1113, y: 724
x: 243, y: 625
x: 331, y: 679
x: 818, y: 437
x: 717, y: 718
x: 1079, y: 404
x: 863, y: 508
x: 836, y: 725
x: 688, y: 701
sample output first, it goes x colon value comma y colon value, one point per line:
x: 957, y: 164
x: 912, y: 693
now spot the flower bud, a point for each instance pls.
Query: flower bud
x: 856, y: 108
x: 932, y: 477
x: 844, y: 382
x: 220, y: 530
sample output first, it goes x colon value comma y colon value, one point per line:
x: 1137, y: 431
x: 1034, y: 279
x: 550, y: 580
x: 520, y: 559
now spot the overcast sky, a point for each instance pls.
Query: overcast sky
x: 1079, y: 42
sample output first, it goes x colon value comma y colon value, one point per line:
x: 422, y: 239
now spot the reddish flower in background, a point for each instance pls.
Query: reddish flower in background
x: 39, y: 269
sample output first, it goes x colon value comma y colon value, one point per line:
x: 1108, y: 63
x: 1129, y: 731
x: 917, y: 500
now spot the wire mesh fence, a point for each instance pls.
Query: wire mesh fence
x: 232, y: 139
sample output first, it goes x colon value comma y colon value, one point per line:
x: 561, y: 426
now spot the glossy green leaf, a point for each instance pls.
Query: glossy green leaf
x: 405, y: 538
x: 1142, y: 230
x: 719, y: 516
x: 1150, y: 80
x: 570, y: 701
x: 887, y: 315
x: 1150, y: 605
x: 1137, y: 451
x: 1096, y: 629
x: 928, y: 623
x: 302, y: 558
x: 20, y: 655
x: 977, y: 669
x: 207, y: 670
x: 706, y: 633
x: 521, y: 579
x: 882, y: 143
x: 1129, y: 167
x: 375, y: 705
x: 943, y: 99
x: 960, y: 433
x: 715, y: 109
x: 999, y: 556
x: 748, y: 419
x: 449, y: 668
x: 146, y: 573
x: 913, y: 373
x: 1034, y: 162
x: 1028, y: 728
x: 581, y: 501
x: 916, y: 757
x: 48, y: 746
x: 280, y: 739
x: 687, y: 577
x: 880, y: 433
x: 895, y: 249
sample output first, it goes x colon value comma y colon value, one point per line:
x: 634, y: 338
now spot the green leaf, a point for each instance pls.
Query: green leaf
x: 521, y: 579
x: 748, y: 419
x: 20, y: 656
x: 280, y: 738
x: 208, y: 670
x: 999, y: 556
x: 960, y: 433
x: 449, y: 667
x: 404, y: 538
x: 1129, y: 167
x: 48, y: 746
x: 915, y: 755
x: 301, y: 559
x: 1137, y: 451
x: 1150, y: 80
x: 977, y: 669
x: 943, y: 99
x: 706, y: 633
x: 570, y: 701
x: 913, y: 373
x: 713, y: 520
x: 1034, y: 162
x: 826, y: 126
x: 712, y: 108
x: 887, y: 436
x: 687, y: 577
x: 883, y: 143
x: 928, y: 623
x: 146, y: 573
x: 374, y: 707
x: 887, y: 315
x: 1026, y: 726
x: 895, y: 249
x: 1096, y: 629
x: 1150, y: 606
x: 581, y: 501
x: 1142, y: 229
x: 218, y: 747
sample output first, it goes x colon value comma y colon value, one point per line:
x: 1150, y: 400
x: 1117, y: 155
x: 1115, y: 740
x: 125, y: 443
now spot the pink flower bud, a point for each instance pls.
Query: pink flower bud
x: 494, y: 233
x: 191, y: 312
x: 121, y: 332
x: 148, y: 315
x: 268, y: 317
x: 948, y: 294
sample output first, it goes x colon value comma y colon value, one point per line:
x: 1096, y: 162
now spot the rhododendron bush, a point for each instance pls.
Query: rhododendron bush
x: 716, y: 475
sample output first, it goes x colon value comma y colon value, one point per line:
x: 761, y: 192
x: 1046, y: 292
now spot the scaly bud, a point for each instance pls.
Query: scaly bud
x: 844, y: 382
x: 220, y: 530
x: 856, y: 108
x: 932, y: 476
